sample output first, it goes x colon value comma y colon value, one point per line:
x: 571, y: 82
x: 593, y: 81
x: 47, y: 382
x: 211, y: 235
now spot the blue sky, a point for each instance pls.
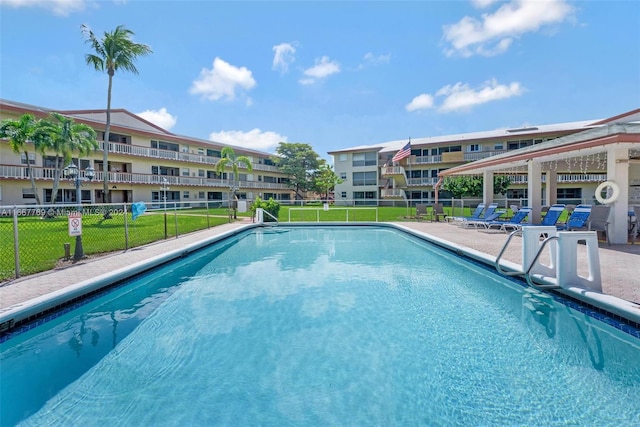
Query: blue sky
x: 332, y: 74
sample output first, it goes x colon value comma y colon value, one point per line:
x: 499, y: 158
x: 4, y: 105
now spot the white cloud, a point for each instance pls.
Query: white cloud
x: 254, y: 139
x: 323, y: 68
x: 420, y: 102
x: 284, y: 55
x: 461, y: 97
x: 495, y: 32
x: 58, y: 7
x: 370, y: 59
x: 159, y: 117
x: 222, y: 81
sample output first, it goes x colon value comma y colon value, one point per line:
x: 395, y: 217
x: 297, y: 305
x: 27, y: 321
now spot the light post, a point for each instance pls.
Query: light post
x: 72, y: 173
x: 233, y: 189
x: 164, y: 187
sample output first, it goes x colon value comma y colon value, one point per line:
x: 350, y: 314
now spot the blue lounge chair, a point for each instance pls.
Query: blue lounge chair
x: 578, y: 219
x: 475, y: 215
x: 480, y: 222
x: 511, y: 224
x: 487, y: 216
x: 552, y: 216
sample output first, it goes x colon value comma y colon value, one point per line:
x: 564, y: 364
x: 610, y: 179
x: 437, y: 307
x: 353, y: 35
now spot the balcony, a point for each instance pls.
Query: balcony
x: 47, y: 174
x: 181, y: 156
x: 393, y: 193
x: 423, y: 182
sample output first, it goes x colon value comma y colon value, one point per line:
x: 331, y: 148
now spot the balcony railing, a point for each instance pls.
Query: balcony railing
x: 428, y: 181
x: 140, y: 151
x: 47, y: 174
x: 467, y: 157
x: 393, y: 193
x: 393, y: 170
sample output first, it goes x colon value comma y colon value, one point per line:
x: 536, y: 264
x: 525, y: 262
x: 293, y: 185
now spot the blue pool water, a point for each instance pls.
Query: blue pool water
x: 321, y: 326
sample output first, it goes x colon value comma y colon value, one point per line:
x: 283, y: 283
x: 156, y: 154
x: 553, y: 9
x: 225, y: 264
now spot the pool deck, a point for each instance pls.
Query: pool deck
x: 619, y: 264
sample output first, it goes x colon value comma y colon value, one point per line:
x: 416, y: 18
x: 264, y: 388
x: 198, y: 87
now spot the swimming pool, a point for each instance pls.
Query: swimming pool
x: 321, y: 326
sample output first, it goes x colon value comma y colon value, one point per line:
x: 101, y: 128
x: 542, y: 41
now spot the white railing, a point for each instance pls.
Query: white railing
x: 392, y: 192
x: 423, y: 181
x: 333, y: 208
x: 393, y: 170
x: 137, y: 150
x: 20, y: 172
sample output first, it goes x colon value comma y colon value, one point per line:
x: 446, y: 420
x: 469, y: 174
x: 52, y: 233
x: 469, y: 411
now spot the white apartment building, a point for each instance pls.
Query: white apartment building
x: 370, y: 177
x: 142, y: 159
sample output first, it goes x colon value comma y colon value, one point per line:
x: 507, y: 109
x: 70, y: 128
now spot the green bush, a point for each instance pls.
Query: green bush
x: 270, y: 206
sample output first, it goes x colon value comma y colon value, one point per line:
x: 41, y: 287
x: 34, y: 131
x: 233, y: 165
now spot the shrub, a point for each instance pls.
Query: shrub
x: 270, y: 206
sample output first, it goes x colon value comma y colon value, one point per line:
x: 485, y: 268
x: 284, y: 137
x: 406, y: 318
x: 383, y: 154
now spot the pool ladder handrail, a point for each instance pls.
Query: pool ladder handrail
x: 527, y: 273
x: 271, y: 223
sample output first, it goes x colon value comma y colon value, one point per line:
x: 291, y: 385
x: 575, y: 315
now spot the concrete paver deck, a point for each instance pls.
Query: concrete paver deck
x: 620, y: 264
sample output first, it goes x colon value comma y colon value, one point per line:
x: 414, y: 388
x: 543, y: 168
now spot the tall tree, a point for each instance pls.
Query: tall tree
x: 232, y: 161
x: 63, y: 136
x: 300, y: 163
x: 325, y: 179
x: 114, y: 51
x: 20, y: 134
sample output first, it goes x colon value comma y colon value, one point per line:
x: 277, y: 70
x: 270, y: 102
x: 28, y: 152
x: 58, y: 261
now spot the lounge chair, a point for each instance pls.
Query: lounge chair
x: 492, y: 217
x: 551, y: 218
x: 599, y: 220
x: 578, y: 219
x: 486, y: 216
x: 512, y: 224
x: 475, y: 215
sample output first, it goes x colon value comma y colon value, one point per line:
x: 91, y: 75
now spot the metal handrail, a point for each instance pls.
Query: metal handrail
x: 504, y: 248
x: 527, y: 274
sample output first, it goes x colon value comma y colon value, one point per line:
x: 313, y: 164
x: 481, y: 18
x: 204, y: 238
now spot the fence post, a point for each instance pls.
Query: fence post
x: 16, y: 242
x: 175, y: 217
x: 207, y: 206
x: 126, y: 227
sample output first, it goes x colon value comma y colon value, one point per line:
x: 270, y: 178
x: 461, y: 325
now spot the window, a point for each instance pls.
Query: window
x: 201, y: 173
x: 342, y: 158
x: 364, y: 197
x: 185, y: 171
x: 520, y: 193
x: 569, y: 193
x: 214, y: 153
x: 365, y: 159
x: 365, y: 178
x: 161, y: 145
x: 27, y: 193
x: 32, y: 158
x: 343, y: 194
x: 474, y: 147
x: 343, y: 176
x: 201, y: 151
x: 185, y: 194
x: 201, y: 195
x: 499, y: 146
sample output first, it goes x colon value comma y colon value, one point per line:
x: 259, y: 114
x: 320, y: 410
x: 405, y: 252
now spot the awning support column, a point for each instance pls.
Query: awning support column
x: 534, y: 190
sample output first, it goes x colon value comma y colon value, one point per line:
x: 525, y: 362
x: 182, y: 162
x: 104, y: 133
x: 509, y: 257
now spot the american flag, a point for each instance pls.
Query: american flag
x: 404, y: 152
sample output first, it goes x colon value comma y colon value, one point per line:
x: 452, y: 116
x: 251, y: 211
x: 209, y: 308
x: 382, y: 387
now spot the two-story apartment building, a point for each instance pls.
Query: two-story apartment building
x: 144, y: 161
x: 370, y: 177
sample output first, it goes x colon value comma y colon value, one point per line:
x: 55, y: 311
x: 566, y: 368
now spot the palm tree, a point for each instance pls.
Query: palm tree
x: 63, y: 136
x: 233, y: 161
x: 114, y: 51
x: 20, y: 134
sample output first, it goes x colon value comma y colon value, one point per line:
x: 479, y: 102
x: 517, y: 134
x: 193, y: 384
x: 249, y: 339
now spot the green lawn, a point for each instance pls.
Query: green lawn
x: 42, y: 241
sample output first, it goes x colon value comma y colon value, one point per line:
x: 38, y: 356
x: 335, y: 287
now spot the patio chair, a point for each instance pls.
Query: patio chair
x: 635, y: 223
x: 486, y: 216
x: 599, y: 220
x: 421, y: 211
x: 578, y: 219
x: 475, y: 215
x: 551, y: 218
x: 437, y: 212
x: 512, y: 224
x: 493, y: 216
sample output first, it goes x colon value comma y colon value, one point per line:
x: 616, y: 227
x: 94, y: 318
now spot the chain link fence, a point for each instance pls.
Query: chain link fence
x: 39, y: 238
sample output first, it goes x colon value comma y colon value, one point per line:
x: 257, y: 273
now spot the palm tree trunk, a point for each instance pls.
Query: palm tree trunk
x: 105, y: 151
x: 32, y: 179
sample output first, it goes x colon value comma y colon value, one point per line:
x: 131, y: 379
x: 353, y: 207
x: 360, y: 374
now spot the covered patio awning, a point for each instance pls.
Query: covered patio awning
x: 611, y: 148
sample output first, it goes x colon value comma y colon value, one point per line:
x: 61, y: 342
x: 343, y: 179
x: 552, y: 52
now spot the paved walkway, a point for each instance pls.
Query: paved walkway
x: 620, y: 264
